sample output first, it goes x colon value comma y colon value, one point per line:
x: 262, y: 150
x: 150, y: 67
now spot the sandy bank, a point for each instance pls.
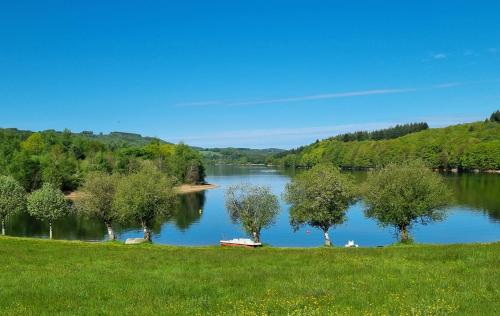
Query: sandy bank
x: 191, y: 188
x: 182, y: 189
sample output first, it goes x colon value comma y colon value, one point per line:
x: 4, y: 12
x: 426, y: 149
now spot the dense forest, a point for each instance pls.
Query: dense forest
x: 387, y: 133
x: 462, y: 147
x: 64, y: 158
x: 240, y: 156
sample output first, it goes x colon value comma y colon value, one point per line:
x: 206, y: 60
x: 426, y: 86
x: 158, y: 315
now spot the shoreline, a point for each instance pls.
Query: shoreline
x: 117, y: 242
x: 181, y: 189
x: 193, y: 188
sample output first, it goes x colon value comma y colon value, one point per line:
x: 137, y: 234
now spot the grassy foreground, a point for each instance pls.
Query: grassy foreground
x: 59, y: 277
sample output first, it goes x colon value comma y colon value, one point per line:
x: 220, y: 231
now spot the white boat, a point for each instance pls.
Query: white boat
x: 351, y: 244
x: 240, y: 242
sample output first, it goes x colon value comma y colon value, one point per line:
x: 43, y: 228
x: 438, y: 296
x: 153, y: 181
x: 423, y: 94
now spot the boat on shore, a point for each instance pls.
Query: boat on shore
x: 240, y: 242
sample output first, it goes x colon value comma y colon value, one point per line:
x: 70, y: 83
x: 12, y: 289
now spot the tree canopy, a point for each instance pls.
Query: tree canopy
x: 12, y: 198
x: 462, y: 147
x: 98, y: 193
x: 319, y: 197
x: 64, y: 158
x: 253, y: 207
x: 143, y: 196
x: 47, y: 204
x: 401, y: 195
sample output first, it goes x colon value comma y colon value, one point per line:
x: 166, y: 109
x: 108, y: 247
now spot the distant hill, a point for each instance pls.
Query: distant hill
x: 114, y: 139
x: 237, y: 155
x: 462, y: 147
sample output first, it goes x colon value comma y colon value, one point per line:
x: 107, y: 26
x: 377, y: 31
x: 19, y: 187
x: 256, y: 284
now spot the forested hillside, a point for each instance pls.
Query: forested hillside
x: 386, y: 133
x: 238, y: 155
x: 463, y: 147
x: 63, y: 158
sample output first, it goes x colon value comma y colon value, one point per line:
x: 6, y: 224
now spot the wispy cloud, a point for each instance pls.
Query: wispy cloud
x: 280, y: 136
x: 440, y: 56
x: 492, y: 50
x: 314, y: 97
x: 322, y: 96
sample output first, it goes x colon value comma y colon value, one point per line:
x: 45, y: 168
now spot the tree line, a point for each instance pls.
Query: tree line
x: 460, y: 147
x: 387, y: 133
x: 139, y: 197
x: 398, y: 195
x: 64, y: 158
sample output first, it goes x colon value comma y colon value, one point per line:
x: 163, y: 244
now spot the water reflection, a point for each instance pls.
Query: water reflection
x: 477, y: 191
x: 475, y: 215
x: 188, y: 210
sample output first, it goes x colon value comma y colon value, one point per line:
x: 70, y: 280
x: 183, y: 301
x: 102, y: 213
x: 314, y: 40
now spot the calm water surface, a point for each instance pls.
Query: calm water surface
x: 474, y: 216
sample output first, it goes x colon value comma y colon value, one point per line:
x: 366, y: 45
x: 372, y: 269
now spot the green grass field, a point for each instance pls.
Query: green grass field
x: 41, y: 277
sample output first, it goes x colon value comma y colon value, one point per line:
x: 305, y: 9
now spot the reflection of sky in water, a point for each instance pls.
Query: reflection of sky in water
x: 461, y: 225
x: 469, y: 222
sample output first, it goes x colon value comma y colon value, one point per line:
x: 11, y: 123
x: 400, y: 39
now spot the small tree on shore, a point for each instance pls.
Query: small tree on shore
x: 12, y: 198
x: 254, y: 207
x: 97, y: 199
x: 319, y: 197
x: 401, y: 195
x: 48, y: 204
x: 143, y: 196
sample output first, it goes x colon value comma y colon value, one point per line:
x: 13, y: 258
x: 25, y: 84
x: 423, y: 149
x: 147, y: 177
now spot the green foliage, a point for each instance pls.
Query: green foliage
x: 12, y: 198
x: 388, y: 133
x: 63, y: 158
x: 319, y: 197
x: 47, y: 204
x: 401, y: 195
x: 98, y: 193
x: 495, y: 116
x: 463, y: 147
x: 141, y: 197
x: 254, y: 207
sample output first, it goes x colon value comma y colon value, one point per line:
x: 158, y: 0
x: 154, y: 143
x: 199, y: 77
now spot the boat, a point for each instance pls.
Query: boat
x: 351, y: 244
x: 240, y: 242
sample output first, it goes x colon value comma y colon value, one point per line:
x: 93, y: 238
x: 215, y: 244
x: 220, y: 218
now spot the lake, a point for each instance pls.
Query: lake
x: 473, y: 217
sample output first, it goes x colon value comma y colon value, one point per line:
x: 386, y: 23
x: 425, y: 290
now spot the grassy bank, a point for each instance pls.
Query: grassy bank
x: 51, y: 277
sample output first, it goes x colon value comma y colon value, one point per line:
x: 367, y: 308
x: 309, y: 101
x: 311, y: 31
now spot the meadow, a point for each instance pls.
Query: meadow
x: 41, y: 277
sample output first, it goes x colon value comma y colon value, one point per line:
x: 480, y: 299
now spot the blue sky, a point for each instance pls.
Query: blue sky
x: 246, y: 73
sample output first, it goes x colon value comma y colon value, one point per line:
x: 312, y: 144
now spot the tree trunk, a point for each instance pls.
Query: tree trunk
x: 404, y: 233
x: 327, y: 238
x: 111, y: 232
x: 256, y: 236
x: 50, y: 230
x: 3, y: 227
x: 147, y: 232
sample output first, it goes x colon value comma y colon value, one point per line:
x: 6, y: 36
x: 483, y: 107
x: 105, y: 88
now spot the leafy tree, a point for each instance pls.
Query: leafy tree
x: 98, y: 192
x: 34, y: 144
x: 48, y: 204
x: 401, y: 195
x: 143, y: 196
x: 319, y: 197
x: 26, y: 170
x: 12, y: 198
x: 254, y: 207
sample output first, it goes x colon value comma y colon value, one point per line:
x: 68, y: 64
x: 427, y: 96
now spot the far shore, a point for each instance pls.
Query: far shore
x: 181, y: 189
